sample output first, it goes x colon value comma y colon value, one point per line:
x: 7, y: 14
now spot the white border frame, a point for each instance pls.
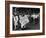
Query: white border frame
x: 29, y: 31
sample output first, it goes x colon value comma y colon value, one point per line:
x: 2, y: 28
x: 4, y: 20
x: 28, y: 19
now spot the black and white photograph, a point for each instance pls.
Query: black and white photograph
x: 26, y: 18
